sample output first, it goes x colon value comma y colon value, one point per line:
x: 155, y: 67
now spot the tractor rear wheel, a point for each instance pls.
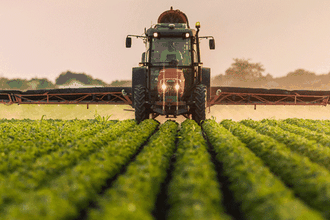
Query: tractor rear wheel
x: 140, y: 98
x: 198, y: 113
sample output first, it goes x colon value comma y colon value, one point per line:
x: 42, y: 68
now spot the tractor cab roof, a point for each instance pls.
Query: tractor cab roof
x: 170, y: 30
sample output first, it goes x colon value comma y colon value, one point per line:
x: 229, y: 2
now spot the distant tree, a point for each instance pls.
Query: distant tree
x: 18, y: 84
x: 33, y: 83
x: 67, y: 76
x: 120, y: 82
x: 3, y: 83
x: 269, y: 77
x: 242, y: 69
x: 64, y: 78
x: 40, y: 83
x: 301, y: 73
x: 44, y: 83
x: 98, y: 82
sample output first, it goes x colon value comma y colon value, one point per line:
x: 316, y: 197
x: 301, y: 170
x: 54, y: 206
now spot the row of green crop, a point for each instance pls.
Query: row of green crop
x: 311, y: 149
x: 12, y: 132
x: 321, y: 122
x: 18, y: 136
x: 32, y: 131
x: 321, y: 138
x: 310, y: 125
x: 261, y: 194
x: 64, y: 169
x: 133, y: 195
x: 50, y: 140
x: 194, y: 190
x: 31, y: 177
x: 309, y: 181
x: 67, y: 194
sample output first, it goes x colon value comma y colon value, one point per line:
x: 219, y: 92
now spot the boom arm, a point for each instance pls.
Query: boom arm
x: 122, y: 96
x: 102, y: 95
x: 253, y: 96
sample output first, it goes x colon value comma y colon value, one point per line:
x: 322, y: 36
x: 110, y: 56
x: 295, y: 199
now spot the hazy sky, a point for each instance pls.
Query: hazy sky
x: 43, y: 38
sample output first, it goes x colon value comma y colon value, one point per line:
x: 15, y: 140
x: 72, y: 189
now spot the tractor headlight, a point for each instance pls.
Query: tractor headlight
x: 187, y: 35
x: 155, y: 34
x: 163, y: 86
x: 177, y: 87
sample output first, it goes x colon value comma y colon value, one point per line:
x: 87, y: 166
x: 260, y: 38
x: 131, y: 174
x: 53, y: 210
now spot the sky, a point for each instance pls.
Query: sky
x: 43, y: 38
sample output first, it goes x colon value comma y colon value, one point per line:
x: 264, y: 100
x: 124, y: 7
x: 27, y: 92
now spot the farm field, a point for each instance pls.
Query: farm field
x: 117, y: 169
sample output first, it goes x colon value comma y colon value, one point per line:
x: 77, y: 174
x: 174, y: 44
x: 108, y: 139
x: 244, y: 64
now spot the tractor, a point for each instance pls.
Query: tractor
x: 171, y: 79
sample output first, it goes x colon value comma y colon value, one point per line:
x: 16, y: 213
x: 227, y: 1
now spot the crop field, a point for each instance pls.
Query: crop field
x: 117, y: 169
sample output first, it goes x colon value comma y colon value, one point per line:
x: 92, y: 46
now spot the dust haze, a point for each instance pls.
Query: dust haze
x: 238, y: 113
x: 121, y: 112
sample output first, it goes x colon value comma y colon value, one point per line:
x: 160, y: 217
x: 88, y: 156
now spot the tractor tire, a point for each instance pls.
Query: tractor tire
x: 140, y: 98
x: 199, y: 108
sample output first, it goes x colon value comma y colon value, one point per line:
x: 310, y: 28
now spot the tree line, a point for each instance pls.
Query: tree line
x: 244, y: 73
x: 64, y: 78
x: 241, y: 73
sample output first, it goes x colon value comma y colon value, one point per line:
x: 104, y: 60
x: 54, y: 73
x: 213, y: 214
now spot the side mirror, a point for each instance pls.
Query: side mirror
x: 212, y: 44
x: 128, y: 42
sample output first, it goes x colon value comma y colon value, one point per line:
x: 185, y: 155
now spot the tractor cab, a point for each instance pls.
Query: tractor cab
x: 170, y: 51
x: 170, y: 55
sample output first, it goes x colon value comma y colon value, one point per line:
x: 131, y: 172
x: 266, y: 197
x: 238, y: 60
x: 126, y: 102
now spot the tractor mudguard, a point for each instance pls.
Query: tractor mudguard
x: 206, y: 80
x: 139, y: 77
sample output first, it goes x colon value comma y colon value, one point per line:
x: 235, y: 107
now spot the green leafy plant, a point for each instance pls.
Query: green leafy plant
x: 310, y: 148
x: 308, y: 180
x: 134, y: 193
x: 101, y: 119
x: 325, y: 129
x: 194, y: 191
x: 261, y: 194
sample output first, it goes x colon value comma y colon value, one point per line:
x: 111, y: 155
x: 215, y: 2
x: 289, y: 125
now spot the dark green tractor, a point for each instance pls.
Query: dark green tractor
x: 170, y: 79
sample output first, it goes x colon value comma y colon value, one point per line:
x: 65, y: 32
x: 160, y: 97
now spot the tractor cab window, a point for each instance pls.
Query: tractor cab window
x: 166, y: 51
